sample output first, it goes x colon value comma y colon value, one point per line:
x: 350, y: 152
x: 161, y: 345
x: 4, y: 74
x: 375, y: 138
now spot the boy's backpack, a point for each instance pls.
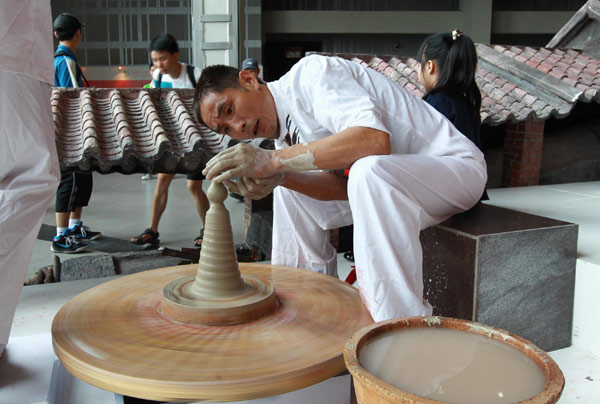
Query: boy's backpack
x: 190, y: 72
x: 63, y: 53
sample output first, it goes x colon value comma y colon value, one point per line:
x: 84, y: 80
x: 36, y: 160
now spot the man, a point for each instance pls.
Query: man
x: 409, y: 169
x: 29, y: 171
x: 170, y: 73
x: 151, y: 67
x: 251, y: 65
x: 75, y: 189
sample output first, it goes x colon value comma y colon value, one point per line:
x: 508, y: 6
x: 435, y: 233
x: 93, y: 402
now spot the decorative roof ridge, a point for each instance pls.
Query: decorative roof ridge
x: 591, y: 10
x: 554, y: 90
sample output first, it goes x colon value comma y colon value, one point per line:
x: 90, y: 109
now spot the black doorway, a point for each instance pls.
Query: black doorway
x: 280, y: 56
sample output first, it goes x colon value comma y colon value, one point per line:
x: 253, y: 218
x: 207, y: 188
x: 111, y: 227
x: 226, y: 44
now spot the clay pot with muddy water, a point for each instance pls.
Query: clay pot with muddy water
x: 429, y: 360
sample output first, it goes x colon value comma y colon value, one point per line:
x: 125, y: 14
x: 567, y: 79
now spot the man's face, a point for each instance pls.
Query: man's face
x: 165, y: 61
x: 242, y: 113
x: 255, y: 72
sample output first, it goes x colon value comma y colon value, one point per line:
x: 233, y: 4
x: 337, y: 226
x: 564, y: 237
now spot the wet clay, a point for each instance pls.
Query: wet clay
x: 301, y: 162
x: 452, y: 366
x: 218, y: 294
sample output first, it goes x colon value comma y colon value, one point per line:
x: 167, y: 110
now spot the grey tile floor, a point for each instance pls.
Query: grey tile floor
x: 120, y: 208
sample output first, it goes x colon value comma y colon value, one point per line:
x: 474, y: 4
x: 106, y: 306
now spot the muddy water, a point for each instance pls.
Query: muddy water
x: 452, y: 366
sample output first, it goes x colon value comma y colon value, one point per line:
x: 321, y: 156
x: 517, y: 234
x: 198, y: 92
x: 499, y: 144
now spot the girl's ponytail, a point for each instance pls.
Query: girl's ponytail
x: 455, y: 55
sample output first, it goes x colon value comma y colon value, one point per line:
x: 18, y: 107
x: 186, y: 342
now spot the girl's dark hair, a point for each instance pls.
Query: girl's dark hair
x: 457, y: 63
x: 164, y: 42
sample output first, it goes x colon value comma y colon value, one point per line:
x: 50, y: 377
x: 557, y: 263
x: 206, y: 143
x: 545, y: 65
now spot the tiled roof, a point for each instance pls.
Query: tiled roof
x: 133, y: 130
x: 517, y: 83
x: 130, y: 130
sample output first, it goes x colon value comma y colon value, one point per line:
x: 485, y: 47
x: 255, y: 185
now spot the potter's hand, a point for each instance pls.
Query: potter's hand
x: 240, y: 160
x: 254, y: 188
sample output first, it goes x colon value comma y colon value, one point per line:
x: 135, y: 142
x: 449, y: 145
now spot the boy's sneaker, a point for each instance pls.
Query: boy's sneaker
x: 67, y: 244
x: 83, y: 232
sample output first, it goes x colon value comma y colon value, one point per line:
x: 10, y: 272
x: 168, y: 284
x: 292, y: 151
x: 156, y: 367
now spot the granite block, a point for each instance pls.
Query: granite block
x: 87, y: 267
x: 506, y: 269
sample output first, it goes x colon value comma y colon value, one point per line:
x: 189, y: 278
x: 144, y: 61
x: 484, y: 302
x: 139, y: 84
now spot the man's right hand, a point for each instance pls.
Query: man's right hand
x: 254, y: 188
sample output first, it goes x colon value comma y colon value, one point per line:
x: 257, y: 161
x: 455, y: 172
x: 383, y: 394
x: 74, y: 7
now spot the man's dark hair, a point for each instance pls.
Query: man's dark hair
x: 214, y: 79
x: 164, y: 42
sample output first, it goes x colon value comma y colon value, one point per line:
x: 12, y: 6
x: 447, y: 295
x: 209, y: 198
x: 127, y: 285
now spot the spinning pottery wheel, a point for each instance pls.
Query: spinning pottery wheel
x: 210, y: 331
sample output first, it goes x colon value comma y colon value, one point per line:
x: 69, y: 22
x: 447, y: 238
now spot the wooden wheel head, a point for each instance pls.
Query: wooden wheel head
x: 133, y: 349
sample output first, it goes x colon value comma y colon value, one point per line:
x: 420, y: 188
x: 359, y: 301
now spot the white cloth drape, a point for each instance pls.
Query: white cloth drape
x: 29, y: 170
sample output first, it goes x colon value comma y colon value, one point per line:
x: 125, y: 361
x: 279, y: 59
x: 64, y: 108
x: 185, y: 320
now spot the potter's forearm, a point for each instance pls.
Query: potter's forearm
x: 333, y: 152
x: 325, y: 186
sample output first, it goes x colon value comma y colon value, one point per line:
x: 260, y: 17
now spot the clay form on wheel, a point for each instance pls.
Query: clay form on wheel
x: 121, y: 335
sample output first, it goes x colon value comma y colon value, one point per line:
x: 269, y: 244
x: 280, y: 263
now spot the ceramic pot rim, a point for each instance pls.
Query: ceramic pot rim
x: 554, y: 377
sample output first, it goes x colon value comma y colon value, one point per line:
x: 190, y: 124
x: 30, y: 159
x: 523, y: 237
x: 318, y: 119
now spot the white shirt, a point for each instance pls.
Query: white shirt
x: 183, y: 81
x: 26, y: 38
x: 322, y: 95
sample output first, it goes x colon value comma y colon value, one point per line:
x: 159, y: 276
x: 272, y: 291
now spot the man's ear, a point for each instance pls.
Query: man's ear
x: 248, y: 79
x: 55, y: 34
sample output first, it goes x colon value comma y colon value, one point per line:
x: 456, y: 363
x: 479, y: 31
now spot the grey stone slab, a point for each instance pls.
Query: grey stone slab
x: 87, y: 267
x: 138, y: 263
x: 504, y: 268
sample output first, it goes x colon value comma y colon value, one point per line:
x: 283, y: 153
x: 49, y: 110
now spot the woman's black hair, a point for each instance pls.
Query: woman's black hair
x: 164, y: 42
x: 456, y: 58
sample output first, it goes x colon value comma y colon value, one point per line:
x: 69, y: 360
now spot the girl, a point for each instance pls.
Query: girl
x: 448, y: 62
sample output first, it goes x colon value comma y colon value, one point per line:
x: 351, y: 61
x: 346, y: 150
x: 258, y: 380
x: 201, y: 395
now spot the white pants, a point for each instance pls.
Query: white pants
x: 29, y: 175
x: 391, y: 199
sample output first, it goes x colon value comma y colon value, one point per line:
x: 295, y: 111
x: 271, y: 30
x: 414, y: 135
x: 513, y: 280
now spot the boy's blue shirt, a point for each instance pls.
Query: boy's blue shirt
x: 61, y: 71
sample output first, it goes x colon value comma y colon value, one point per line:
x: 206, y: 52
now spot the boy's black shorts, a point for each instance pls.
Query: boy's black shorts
x: 74, y: 190
x: 196, y: 175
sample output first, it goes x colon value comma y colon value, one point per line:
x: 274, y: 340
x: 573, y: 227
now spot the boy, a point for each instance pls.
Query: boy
x: 75, y: 189
x: 170, y: 73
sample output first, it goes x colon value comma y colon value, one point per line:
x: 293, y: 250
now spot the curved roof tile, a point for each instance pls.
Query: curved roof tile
x: 131, y: 130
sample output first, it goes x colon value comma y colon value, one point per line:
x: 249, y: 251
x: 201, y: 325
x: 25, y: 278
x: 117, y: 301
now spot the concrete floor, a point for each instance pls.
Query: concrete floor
x: 120, y: 208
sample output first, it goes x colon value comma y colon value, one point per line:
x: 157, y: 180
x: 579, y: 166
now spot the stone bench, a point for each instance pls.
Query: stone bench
x: 506, y: 269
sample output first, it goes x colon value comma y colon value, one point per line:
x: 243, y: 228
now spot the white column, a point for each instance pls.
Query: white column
x: 215, y: 32
x: 477, y: 19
